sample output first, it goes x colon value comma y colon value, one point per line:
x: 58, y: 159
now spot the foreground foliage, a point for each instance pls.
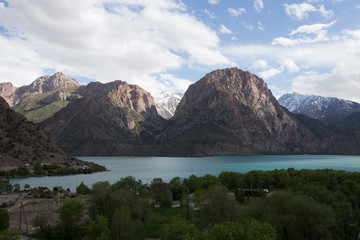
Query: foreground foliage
x: 279, y: 204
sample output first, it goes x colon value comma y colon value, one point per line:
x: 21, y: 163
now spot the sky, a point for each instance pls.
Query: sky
x: 306, y: 46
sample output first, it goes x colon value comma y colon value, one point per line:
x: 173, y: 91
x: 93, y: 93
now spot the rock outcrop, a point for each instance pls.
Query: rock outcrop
x: 230, y: 111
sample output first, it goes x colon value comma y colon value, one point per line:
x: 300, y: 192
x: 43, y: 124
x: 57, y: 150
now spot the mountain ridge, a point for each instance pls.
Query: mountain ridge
x: 329, y: 109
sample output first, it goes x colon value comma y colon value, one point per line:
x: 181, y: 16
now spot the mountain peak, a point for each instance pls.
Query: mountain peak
x: 329, y: 109
x: 48, y: 83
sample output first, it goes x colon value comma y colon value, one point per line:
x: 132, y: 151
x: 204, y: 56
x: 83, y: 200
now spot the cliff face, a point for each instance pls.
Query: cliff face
x: 110, y: 119
x: 230, y: 111
x: 24, y: 143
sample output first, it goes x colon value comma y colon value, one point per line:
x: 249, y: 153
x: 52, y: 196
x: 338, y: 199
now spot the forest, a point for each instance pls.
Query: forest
x: 278, y: 204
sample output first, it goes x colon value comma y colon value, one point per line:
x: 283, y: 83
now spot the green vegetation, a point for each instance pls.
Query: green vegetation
x: 279, y: 204
x: 50, y: 170
x: 37, y: 109
x: 5, y: 234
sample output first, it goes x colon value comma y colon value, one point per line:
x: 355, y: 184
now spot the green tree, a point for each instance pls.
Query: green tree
x: 41, y: 221
x: 129, y: 184
x: 83, y: 189
x: 257, y: 230
x: 4, y: 219
x: 178, y: 229
x: 123, y: 227
x: 295, y: 217
x: 70, y: 214
x: 9, y: 235
x: 176, y: 188
x: 98, y: 229
x: 216, y: 206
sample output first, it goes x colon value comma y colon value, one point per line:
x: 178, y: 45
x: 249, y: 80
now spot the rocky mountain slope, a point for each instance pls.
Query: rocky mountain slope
x: 231, y: 111
x: 42, y: 98
x: 110, y: 119
x: 166, y: 103
x: 347, y: 142
x: 22, y: 143
x: 329, y: 109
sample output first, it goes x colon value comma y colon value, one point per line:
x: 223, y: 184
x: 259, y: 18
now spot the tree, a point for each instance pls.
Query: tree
x: 70, y: 214
x: 295, y: 217
x: 129, y: 184
x: 4, y: 219
x: 176, y: 188
x: 178, y: 229
x: 83, y: 189
x: 257, y: 230
x: 98, y: 229
x: 9, y: 235
x: 41, y: 221
x: 217, y: 207
x: 122, y: 226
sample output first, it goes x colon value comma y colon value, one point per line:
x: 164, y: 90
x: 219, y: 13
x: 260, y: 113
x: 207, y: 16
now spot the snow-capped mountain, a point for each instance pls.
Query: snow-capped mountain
x: 166, y: 103
x: 329, y: 109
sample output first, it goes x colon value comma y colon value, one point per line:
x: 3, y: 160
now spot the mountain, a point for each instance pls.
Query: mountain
x: 345, y: 143
x: 22, y: 143
x: 231, y: 111
x: 166, y: 103
x: 111, y: 119
x: 42, y: 98
x: 329, y: 109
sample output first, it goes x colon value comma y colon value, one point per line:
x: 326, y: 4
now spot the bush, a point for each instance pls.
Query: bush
x: 4, y: 219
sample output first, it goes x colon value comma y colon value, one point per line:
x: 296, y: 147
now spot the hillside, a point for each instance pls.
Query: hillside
x: 111, y: 119
x: 24, y: 144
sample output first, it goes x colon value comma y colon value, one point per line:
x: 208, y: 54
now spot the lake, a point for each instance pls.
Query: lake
x: 148, y: 168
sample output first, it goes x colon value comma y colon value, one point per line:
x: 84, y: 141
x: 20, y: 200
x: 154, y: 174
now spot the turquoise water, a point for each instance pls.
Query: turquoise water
x: 148, y: 168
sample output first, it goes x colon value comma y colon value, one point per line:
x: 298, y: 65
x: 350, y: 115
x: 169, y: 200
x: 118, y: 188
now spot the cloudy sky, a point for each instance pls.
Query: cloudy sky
x: 307, y: 46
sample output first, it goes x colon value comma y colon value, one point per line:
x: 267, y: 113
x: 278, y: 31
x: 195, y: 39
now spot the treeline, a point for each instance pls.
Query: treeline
x: 278, y: 204
x: 49, y: 170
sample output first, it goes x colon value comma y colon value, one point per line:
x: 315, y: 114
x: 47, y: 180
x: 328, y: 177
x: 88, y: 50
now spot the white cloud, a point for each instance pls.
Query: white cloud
x: 260, y: 26
x: 357, y: 6
x: 210, y: 14
x: 305, y: 34
x: 258, y: 5
x: 353, y: 33
x: 224, y: 30
x: 328, y: 68
x: 289, y: 64
x: 213, y: 2
x: 103, y: 40
x: 174, y: 84
x: 270, y: 73
x: 260, y: 64
x: 236, y: 12
x: 301, y: 11
x: 247, y: 26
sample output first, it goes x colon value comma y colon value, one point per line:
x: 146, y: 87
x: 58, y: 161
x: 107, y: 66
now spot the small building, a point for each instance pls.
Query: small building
x: 176, y: 204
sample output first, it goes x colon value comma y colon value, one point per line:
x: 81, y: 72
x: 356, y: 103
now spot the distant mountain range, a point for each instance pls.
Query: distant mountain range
x: 227, y: 112
x: 166, y: 103
x: 342, y: 113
